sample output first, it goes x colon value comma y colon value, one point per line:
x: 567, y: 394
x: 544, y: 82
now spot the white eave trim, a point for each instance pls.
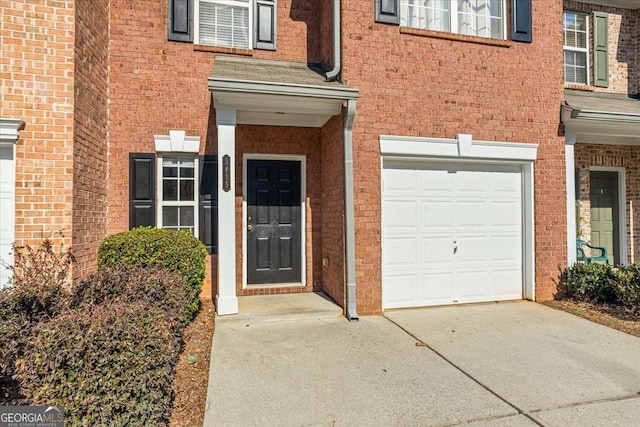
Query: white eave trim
x: 217, y: 84
x: 9, y: 130
x: 603, y: 127
x: 177, y: 142
x: 461, y: 147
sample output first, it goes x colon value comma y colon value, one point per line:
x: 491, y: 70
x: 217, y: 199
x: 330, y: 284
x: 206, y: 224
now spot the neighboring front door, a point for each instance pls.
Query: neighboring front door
x: 274, y: 222
x: 604, y: 213
x: 7, y: 191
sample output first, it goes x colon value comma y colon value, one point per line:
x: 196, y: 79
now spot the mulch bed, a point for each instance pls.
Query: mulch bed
x: 192, y: 371
x: 609, y: 315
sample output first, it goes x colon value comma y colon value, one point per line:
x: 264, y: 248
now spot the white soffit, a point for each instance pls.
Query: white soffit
x: 463, y: 147
x: 177, y: 142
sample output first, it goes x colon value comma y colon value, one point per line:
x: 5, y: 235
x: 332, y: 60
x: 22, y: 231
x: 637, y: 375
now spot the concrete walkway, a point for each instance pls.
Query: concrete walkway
x: 518, y: 364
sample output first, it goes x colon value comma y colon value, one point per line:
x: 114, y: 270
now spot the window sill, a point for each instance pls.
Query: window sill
x: 220, y: 49
x: 577, y: 86
x: 456, y: 37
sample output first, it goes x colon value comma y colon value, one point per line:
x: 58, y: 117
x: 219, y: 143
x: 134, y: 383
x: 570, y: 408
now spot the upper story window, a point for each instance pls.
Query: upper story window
x: 225, y: 23
x: 575, y: 28
x: 239, y: 24
x: 481, y: 18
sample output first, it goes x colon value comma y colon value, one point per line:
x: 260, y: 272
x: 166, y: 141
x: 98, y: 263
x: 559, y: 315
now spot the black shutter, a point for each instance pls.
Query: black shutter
x: 142, y: 190
x: 181, y: 20
x: 265, y: 24
x: 521, y: 22
x: 209, y: 202
x: 388, y: 11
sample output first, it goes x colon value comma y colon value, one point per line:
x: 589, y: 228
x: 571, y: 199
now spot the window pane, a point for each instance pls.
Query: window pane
x: 186, y: 190
x: 575, y: 30
x: 186, y: 217
x: 186, y: 172
x: 170, y: 189
x: 169, y: 171
x: 170, y: 216
x: 426, y: 14
x: 224, y: 25
x: 482, y: 18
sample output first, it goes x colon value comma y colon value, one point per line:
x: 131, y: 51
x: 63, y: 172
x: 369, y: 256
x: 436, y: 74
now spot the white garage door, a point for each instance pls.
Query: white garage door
x: 7, y: 191
x: 452, y: 233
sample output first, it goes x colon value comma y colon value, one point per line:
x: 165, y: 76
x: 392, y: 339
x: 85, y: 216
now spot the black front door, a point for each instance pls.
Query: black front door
x: 274, y: 222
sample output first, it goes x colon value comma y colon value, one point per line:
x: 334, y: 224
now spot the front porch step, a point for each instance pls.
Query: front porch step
x: 277, y: 308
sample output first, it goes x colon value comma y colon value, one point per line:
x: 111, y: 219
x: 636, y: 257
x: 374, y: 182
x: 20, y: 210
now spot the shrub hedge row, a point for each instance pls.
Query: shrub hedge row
x: 105, y: 348
x: 602, y: 283
x: 173, y: 250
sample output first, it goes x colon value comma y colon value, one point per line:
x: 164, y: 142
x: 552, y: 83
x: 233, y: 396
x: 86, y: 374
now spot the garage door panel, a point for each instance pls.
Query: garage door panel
x: 476, y: 208
x: 401, y: 216
x: 473, y: 214
x: 503, y: 284
x: 437, y: 214
x: 401, y: 252
x: 506, y: 214
x: 507, y: 248
x: 437, y: 252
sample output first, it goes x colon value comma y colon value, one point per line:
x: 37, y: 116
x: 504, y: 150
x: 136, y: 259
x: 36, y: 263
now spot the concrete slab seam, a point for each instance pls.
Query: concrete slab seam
x: 450, y: 362
x: 585, y: 403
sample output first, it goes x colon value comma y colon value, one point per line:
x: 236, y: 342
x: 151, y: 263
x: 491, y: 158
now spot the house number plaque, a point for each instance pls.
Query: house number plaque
x: 226, y: 173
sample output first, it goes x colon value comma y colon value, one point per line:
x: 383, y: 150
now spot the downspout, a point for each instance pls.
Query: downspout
x: 350, y: 234
x: 335, y: 72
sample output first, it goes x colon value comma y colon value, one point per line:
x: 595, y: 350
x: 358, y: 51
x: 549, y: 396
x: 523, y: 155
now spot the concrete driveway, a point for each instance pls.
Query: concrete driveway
x: 511, y: 364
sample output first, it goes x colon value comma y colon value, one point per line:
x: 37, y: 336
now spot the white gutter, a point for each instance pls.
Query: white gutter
x: 349, y: 215
x: 337, y: 65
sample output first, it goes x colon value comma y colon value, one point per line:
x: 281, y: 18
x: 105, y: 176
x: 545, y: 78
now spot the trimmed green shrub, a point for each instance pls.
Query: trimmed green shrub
x: 108, y: 365
x: 591, y: 282
x: 153, y: 286
x: 174, y: 250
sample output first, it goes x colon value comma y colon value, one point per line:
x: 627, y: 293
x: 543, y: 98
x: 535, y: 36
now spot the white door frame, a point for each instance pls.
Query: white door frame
x: 303, y: 216
x: 464, y: 149
x: 622, y: 207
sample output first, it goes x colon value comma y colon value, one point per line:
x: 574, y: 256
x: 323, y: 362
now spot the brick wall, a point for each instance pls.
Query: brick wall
x: 37, y: 71
x: 333, y: 249
x: 434, y: 87
x: 623, y: 45
x: 90, y: 132
x: 617, y: 156
x: 156, y: 85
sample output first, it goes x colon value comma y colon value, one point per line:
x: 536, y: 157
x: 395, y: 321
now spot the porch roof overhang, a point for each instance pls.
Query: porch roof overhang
x: 601, y: 118
x: 277, y: 93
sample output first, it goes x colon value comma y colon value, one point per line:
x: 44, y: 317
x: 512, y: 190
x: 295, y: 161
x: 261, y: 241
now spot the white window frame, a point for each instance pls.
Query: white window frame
x: 453, y: 19
x: 235, y: 3
x: 577, y: 49
x: 196, y: 191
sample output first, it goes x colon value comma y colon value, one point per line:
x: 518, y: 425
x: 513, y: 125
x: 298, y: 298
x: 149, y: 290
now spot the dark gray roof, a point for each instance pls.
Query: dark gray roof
x: 269, y: 71
x: 602, y: 102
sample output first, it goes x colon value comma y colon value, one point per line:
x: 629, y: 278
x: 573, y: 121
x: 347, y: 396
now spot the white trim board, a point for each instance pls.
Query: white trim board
x: 464, y: 149
x: 303, y: 217
x: 622, y: 207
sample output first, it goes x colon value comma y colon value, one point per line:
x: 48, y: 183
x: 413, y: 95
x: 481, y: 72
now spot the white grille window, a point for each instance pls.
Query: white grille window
x: 575, y: 29
x: 178, y: 193
x: 225, y: 23
x: 481, y: 18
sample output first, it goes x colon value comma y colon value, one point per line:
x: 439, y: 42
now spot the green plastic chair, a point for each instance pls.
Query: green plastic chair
x: 582, y: 256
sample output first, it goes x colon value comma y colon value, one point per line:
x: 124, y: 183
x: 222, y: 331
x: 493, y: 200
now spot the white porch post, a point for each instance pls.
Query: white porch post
x: 570, y: 140
x: 226, y: 299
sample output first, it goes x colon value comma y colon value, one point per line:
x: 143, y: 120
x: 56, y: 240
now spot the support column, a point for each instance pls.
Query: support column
x: 570, y: 140
x: 226, y: 299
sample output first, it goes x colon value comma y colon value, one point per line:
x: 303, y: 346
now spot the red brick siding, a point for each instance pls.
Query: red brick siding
x: 90, y: 133
x: 284, y: 140
x: 432, y: 87
x: 618, y: 156
x: 333, y: 239
x: 623, y: 45
x: 37, y: 70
